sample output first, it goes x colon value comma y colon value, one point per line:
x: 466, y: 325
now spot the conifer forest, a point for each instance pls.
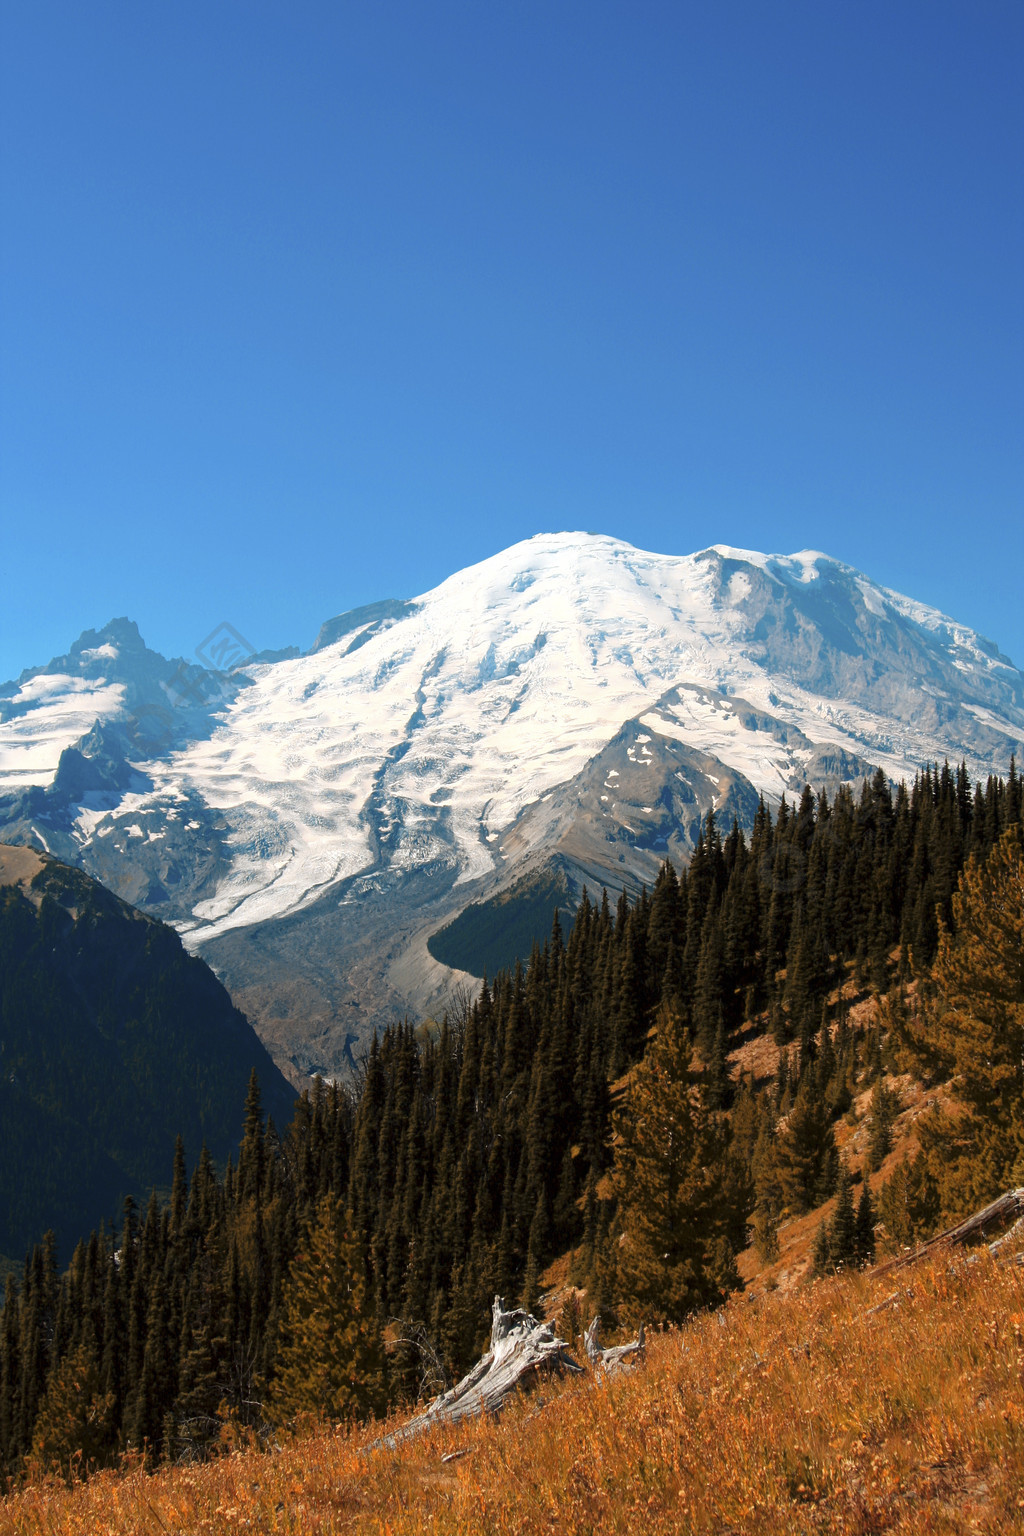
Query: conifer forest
x: 593, y: 1102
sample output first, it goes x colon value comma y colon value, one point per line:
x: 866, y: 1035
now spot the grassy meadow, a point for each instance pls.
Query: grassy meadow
x: 860, y: 1403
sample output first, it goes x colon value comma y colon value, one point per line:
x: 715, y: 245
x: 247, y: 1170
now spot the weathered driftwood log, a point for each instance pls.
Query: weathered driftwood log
x: 1009, y: 1205
x: 1015, y: 1231
x: 521, y: 1348
x: 616, y: 1358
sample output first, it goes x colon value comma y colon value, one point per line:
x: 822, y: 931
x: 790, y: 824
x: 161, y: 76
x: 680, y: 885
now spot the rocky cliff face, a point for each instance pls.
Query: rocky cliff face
x: 572, y: 705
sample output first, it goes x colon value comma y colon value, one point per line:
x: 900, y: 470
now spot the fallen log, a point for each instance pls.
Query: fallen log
x: 1015, y: 1231
x: 1009, y: 1205
x: 521, y: 1349
x: 895, y: 1300
x: 619, y: 1357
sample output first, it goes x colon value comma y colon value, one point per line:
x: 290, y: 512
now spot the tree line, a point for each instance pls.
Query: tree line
x: 582, y: 1104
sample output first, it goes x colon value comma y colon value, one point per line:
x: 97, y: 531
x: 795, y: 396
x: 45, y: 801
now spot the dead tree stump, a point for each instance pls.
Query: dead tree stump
x: 619, y: 1357
x: 521, y: 1349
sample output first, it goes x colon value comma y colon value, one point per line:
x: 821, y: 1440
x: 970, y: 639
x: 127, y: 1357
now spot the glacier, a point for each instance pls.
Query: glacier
x: 446, y: 742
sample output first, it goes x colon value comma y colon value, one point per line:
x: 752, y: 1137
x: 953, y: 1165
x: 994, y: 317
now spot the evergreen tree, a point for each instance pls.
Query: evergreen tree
x: 864, y: 1228
x: 805, y: 1155
x: 668, y: 1177
x: 766, y: 1223
x: 251, y: 1155
x: 894, y: 1207
x: 75, y: 1427
x: 330, y: 1362
x: 979, y: 975
x: 820, y: 1252
x: 883, y: 1112
x: 842, y: 1235
x: 973, y: 1032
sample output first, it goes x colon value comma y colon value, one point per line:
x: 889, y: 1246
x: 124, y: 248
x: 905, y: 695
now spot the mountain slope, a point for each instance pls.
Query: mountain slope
x: 860, y: 1403
x: 319, y: 821
x: 113, y: 1040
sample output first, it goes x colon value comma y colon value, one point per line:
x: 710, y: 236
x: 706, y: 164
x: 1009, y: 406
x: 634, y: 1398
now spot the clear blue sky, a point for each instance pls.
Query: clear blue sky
x: 306, y: 304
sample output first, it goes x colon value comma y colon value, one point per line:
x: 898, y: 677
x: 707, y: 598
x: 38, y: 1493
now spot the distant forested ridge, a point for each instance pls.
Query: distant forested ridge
x: 112, y: 1040
x: 582, y: 1104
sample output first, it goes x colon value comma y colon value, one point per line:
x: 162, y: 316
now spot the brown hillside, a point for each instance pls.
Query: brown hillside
x: 857, y: 1404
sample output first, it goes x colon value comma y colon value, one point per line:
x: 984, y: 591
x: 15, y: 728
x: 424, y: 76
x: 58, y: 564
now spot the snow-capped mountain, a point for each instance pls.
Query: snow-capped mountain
x: 309, y: 822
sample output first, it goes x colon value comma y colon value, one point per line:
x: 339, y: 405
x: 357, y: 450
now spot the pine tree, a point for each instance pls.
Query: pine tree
x: 330, y: 1361
x: 894, y: 1207
x: 668, y: 1181
x: 971, y: 1029
x: 155, y: 1390
x: 766, y: 1224
x: 864, y: 1228
x: 178, y: 1188
x: 10, y: 1443
x: 979, y: 974
x: 74, y: 1429
x: 820, y: 1253
x: 805, y: 1156
x: 883, y: 1112
x: 842, y: 1227
x: 251, y: 1154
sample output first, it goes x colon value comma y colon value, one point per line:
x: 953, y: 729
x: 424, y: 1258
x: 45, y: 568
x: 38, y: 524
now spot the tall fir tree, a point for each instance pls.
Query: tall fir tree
x: 330, y: 1359
x: 674, y: 1253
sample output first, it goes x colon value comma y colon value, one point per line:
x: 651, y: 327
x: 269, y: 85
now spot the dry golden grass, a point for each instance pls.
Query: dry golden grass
x: 803, y: 1412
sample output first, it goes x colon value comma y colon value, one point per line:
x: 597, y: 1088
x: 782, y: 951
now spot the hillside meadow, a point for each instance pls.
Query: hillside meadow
x: 859, y: 1403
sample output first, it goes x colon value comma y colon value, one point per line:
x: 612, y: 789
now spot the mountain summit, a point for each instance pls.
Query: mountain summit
x: 566, y: 711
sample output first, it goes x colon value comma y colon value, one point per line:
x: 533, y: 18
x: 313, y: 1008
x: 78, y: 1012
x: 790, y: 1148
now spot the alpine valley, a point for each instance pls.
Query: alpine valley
x: 346, y: 835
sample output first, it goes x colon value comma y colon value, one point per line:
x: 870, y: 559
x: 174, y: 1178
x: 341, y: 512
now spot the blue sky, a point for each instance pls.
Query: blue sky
x: 309, y: 304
